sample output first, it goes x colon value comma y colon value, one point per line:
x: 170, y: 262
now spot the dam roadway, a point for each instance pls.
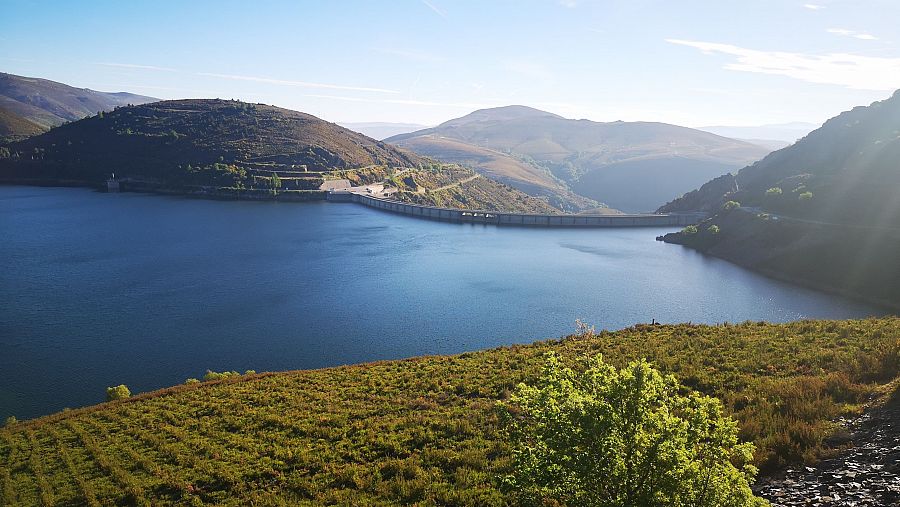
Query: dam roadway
x: 517, y: 219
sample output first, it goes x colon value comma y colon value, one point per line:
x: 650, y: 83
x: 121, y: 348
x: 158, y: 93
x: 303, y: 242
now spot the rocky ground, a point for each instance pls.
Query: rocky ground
x: 867, y: 473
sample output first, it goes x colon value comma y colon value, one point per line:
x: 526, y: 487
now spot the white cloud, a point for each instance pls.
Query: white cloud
x: 433, y: 7
x: 850, y: 33
x: 302, y: 84
x: 571, y: 4
x: 842, y: 69
x: 135, y: 66
x: 814, y: 7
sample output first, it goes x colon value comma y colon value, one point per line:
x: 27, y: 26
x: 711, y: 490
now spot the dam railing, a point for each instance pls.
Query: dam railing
x: 519, y: 219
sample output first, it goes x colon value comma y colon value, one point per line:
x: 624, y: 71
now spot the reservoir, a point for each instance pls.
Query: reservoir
x: 104, y: 289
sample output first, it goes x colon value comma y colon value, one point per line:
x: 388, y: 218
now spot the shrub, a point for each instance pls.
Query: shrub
x: 691, y: 229
x: 11, y: 420
x: 623, y: 438
x: 213, y: 375
x: 805, y: 196
x: 730, y: 205
x: 120, y: 392
x: 191, y: 381
x: 714, y: 229
x: 774, y: 192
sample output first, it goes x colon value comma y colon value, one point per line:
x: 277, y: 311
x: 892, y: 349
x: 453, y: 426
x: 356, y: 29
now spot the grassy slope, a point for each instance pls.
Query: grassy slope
x: 422, y: 430
x: 501, y: 167
x: 15, y: 127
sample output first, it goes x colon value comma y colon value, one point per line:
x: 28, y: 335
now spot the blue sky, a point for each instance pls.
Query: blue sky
x: 687, y: 62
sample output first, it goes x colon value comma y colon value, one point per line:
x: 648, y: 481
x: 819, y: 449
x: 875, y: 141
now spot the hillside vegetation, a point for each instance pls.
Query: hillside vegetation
x: 823, y: 212
x: 48, y: 103
x: 14, y: 128
x: 424, y: 430
x: 200, y: 142
x: 631, y: 166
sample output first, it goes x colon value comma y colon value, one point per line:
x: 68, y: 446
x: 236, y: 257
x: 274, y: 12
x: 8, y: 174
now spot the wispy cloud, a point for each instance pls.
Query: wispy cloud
x: 851, y: 33
x: 842, y: 69
x: 814, y: 7
x: 135, y: 66
x: 571, y: 4
x: 302, y: 84
x: 433, y: 7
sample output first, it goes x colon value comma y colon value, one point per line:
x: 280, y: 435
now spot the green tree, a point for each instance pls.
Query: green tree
x: 611, y: 438
x: 691, y: 229
x: 714, y: 229
x: 11, y: 420
x: 119, y: 392
x: 805, y: 196
x: 774, y: 192
x: 730, y: 205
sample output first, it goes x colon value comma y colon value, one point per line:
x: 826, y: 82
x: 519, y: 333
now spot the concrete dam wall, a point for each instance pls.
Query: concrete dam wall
x: 518, y: 219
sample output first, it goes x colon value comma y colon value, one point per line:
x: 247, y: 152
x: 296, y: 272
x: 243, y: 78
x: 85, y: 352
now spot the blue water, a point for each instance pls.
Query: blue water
x: 104, y: 289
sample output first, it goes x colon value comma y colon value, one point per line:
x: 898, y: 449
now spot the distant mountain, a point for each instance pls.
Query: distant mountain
x: 631, y: 166
x: 382, y: 130
x: 769, y: 144
x: 191, y: 140
x: 13, y: 127
x: 824, y: 211
x: 784, y: 132
x: 48, y: 103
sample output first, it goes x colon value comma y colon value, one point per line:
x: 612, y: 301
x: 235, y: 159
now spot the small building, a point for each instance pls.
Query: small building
x: 112, y: 184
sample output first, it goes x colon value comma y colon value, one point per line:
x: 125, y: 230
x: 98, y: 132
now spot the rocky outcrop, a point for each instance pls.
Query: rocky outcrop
x: 867, y: 473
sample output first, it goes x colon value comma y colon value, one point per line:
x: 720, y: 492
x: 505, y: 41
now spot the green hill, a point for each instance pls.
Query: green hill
x: 426, y: 430
x: 49, y: 104
x: 14, y: 128
x: 823, y: 212
x: 631, y: 166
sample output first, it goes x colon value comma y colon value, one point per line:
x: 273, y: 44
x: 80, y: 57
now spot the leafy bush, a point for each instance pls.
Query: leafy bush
x: 805, y: 196
x: 609, y: 437
x: 691, y: 229
x: 191, y: 381
x: 774, y: 192
x: 213, y: 375
x: 730, y: 205
x: 11, y: 420
x: 119, y: 392
x: 713, y: 229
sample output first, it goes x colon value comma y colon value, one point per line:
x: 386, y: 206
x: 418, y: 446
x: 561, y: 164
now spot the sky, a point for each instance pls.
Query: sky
x: 687, y: 62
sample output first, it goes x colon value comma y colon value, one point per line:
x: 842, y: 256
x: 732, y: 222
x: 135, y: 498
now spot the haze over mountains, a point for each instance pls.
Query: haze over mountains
x: 824, y: 211
x: 382, y: 130
x: 631, y: 166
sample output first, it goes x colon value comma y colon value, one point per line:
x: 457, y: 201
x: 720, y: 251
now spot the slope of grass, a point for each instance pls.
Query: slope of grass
x: 423, y: 430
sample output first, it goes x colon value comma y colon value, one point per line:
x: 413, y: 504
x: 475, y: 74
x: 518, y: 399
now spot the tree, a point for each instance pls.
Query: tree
x: 120, y: 392
x: 730, y: 205
x: 714, y: 229
x: 691, y: 229
x: 774, y: 192
x: 11, y: 420
x: 805, y: 196
x: 608, y: 437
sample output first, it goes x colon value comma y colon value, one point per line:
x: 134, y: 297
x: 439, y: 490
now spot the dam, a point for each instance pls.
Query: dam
x: 517, y: 219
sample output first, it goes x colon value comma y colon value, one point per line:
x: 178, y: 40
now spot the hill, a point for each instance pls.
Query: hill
x: 527, y: 177
x: 14, y: 128
x: 618, y: 163
x: 823, y: 211
x: 425, y: 430
x: 48, y: 103
x: 182, y: 141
